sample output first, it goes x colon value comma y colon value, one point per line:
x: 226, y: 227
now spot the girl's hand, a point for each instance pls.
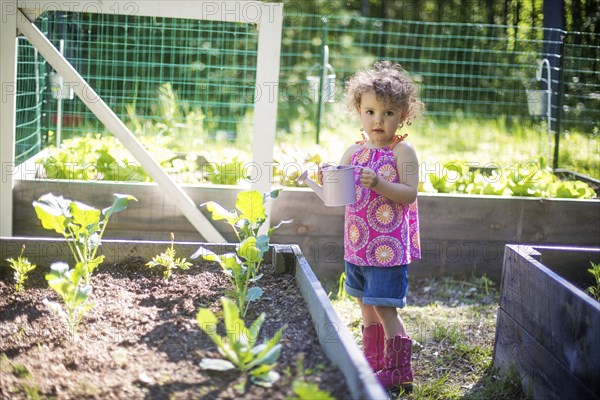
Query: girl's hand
x: 368, y: 178
x: 320, y: 172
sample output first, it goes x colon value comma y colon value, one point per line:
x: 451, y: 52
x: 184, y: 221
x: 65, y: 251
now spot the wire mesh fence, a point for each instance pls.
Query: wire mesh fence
x: 201, y: 74
x: 29, y: 102
x: 150, y: 68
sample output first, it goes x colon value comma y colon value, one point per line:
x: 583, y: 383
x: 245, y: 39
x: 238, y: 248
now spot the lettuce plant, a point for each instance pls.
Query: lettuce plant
x: 80, y: 225
x: 169, y: 261
x: 239, y: 345
x: 533, y: 179
x: 76, y: 297
x: 22, y: 267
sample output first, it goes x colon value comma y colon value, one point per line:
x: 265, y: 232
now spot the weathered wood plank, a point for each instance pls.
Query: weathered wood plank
x: 460, y: 234
x: 559, y: 316
x: 570, y: 263
x: 333, y: 335
x: 542, y: 375
x: 561, y: 221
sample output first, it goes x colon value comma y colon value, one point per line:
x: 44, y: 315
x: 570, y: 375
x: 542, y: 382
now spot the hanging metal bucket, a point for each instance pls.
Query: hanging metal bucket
x: 537, y: 102
x: 58, y: 87
x: 314, y: 82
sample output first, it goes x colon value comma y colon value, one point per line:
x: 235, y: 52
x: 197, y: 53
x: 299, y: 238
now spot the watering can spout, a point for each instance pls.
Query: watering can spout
x: 312, y: 184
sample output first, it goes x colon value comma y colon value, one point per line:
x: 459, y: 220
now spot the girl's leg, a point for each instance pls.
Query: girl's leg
x: 373, y: 336
x: 392, y: 323
x: 397, y: 369
x: 369, y: 314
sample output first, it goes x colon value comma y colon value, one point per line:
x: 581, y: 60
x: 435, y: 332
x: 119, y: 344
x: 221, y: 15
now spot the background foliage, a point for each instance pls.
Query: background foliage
x: 472, y: 59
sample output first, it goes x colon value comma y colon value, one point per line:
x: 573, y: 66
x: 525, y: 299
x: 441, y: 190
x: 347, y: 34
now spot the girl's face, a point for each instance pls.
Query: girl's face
x: 379, y: 119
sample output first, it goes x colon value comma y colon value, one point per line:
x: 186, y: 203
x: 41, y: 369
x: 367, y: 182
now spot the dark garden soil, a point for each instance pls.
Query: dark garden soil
x: 141, y: 340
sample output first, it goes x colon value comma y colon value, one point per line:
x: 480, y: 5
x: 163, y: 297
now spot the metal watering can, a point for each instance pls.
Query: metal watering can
x: 338, y: 185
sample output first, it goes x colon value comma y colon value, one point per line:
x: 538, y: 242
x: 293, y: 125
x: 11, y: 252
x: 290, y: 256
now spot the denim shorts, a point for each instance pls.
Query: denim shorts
x: 378, y: 286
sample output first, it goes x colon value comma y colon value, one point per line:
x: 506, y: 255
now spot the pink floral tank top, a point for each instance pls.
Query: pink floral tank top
x: 378, y: 231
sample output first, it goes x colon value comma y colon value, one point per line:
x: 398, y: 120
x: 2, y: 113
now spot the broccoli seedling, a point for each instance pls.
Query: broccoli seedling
x: 22, y: 267
x: 169, y: 261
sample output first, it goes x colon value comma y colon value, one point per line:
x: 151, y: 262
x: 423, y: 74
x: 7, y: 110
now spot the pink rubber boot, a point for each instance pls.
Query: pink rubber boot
x: 397, y: 371
x: 373, y: 344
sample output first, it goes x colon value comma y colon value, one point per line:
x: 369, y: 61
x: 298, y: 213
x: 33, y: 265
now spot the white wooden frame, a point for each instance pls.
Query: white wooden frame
x: 8, y: 120
x: 18, y: 15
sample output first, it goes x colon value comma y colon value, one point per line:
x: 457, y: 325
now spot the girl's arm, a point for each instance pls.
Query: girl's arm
x: 404, y: 192
x: 347, y: 157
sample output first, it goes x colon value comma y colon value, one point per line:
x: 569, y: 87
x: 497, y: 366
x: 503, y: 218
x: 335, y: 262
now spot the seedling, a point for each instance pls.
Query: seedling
x: 239, y: 345
x: 242, y: 267
x: 168, y: 260
x: 594, y: 290
x: 22, y: 267
x: 238, y: 274
x: 249, y: 217
x: 75, y: 297
x: 80, y: 225
x: 304, y: 390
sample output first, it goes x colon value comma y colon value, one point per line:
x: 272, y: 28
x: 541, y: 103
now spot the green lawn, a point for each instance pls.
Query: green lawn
x: 452, y: 324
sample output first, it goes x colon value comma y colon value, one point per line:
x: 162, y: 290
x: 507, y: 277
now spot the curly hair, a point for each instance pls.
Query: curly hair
x: 391, y: 83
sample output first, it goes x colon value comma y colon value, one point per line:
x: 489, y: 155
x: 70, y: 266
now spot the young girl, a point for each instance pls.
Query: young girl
x: 381, y: 230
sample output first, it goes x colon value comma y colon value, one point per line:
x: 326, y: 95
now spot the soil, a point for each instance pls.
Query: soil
x: 141, y: 339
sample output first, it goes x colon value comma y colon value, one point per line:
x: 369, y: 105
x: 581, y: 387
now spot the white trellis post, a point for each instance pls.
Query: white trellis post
x: 8, y: 107
x: 267, y: 16
x: 266, y: 97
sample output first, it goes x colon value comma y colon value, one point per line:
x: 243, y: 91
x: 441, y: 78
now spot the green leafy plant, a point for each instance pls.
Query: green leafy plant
x: 248, y: 217
x: 239, y: 276
x: 91, y: 157
x: 239, y: 345
x: 80, y: 225
x: 304, y: 390
x: 22, y: 267
x: 169, y: 261
x: 533, y: 179
x: 76, y: 297
x: 243, y: 266
x: 309, y: 391
x: 594, y: 290
x: 227, y: 173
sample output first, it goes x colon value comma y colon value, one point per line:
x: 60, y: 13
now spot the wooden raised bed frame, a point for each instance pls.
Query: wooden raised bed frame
x: 548, y: 329
x: 334, y: 338
x: 461, y: 235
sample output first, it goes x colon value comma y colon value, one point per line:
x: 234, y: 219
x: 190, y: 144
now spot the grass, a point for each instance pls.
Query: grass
x: 452, y: 324
x: 26, y: 382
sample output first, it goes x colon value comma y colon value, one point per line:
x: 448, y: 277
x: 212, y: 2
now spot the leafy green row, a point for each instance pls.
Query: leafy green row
x: 82, y: 228
x: 105, y: 159
x: 533, y: 179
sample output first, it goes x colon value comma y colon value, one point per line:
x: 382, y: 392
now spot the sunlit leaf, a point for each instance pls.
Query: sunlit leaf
x: 250, y: 204
x: 120, y: 202
x: 216, y: 364
x: 249, y: 251
x: 219, y: 213
x: 84, y: 215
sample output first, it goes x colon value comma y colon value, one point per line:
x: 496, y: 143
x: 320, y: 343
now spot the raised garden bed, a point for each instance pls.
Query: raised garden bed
x: 548, y: 328
x: 141, y: 340
x: 461, y: 235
